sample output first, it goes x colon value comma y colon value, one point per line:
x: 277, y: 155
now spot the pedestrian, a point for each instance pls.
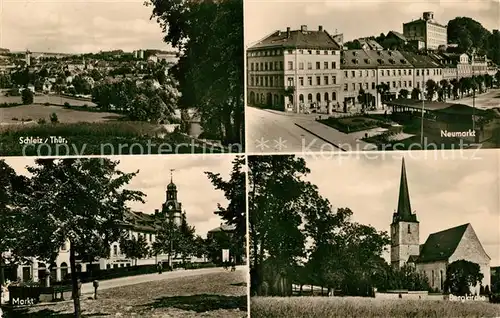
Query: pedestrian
x: 160, y: 268
x: 233, y: 265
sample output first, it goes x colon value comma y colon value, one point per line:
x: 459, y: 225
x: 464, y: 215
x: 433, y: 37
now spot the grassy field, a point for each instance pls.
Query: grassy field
x: 51, y: 99
x: 15, y: 115
x: 104, y: 138
x: 329, y: 307
x: 210, y: 295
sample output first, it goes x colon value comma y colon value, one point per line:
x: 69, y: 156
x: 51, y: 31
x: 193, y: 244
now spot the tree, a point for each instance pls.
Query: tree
x: 209, y: 35
x: 53, y: 118
x: 415, y: 93
x: 403, y: 93
x: 431, y: 87
x: 167, y: 240
x: 134, y: 247
x: 13, y: 193
x: 235, y: 213
x: 80, y: 201
x: 382, y: 89
x: 445, y: 89
x: 186, y: 245
x: 461, y: 275
x: 27, y: 96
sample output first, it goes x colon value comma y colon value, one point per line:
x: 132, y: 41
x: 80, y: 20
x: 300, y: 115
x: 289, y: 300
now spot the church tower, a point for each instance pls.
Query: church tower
x: 172, y: 209
x: 405, y: 227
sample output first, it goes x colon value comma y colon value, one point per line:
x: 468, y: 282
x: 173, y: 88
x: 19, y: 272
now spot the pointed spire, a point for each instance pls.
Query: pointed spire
x: 172, y: 175
x: 404, y: 212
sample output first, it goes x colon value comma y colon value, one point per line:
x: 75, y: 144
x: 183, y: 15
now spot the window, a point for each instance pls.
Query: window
x: 394, y: 84
x: 334, y: 65
x: 309, y: 66
x: 325, y: 65
x: 290, y: 51
x: 427, y: 71
x: 64, y: 247
x: 256, y: 66
x: 360, y: 85
x: 318, y: 65
x: 334, y: 80
x: 265, y: 66
x: 393, y: 72
x: 310, y: 80
x: 281, y: 65
x: 290, y: 81
x: 409, y: 83
x: 404, y: 72
x: 276, y: 66
x: 404, y: 83
x: 290, y: 65
x: 115, y: 250
x: 373, y: 85
x: 399, y: 83
x: 301, y: 65
x: 366, y: 85
x: 399, y: 72
x: 353, y: 86
x: 325, y: 80
x: 271, y: 66
x: 318, y: 80
x: 360, y: 73
x: 271, y: 81
x: 318, y: 52
x: 261, y: 66
x: 409, y: 72
x: 418, y: 72
x: 346, y: 87
x: 251, y: 66
x: 346, y: 74
x: 353, y: 73
x: 366, y: 73
x: 151, y: 237
x: 301, y: 81
x: 325, y: 52
x: 409, y: 229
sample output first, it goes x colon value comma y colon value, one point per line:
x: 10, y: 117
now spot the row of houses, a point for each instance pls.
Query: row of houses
x: 295, y: 70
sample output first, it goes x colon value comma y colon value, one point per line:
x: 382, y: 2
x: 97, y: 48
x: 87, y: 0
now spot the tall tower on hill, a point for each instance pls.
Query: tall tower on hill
x: 405, y: 240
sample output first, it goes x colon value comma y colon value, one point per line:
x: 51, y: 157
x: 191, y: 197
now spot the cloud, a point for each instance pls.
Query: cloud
x: 195, y: 191
x: 444, y: 191
x: 78, y: 26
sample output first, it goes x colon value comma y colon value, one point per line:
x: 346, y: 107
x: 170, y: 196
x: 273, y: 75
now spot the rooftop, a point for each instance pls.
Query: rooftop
x: 420, y: 60
x: 303, y: 38
x: 441, y: 245
x: 373, y: 59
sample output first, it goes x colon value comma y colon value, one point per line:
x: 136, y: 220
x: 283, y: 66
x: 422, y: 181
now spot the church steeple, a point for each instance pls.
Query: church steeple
x: 171, y: 188
x: 404, y: 212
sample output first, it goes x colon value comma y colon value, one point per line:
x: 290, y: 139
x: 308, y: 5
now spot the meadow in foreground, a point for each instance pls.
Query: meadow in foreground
x: 322, y: 307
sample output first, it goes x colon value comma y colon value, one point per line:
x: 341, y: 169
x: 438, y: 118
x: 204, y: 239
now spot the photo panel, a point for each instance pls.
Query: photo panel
x: 145, y: 236
x: 378, y: 75
x: 118, y: 78
x: 387, y: 234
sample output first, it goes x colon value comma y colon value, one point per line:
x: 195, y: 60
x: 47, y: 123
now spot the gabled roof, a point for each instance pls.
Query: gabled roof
x: 440, y: 246
x: 398, y: 35
x: 298, y: 39
x: 373, y: 59
x: 420, y: 60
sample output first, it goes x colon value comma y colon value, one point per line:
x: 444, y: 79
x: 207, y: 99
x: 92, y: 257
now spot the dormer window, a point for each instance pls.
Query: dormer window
x: 355, y: 61
x: 342, y: 61
x: 354, y: 53
x: 380, y: 61
x: 403, y: 61
x: 390, y: 53
x: 392, y: 61
x: 379, y: 53
x: 367, y: 61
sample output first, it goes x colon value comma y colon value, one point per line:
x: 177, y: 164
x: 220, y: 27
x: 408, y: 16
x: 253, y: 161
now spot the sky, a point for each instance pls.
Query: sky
x: 359, y: 18
x: 446, y: 189
x: 78, y: 26
x: 195, y: 191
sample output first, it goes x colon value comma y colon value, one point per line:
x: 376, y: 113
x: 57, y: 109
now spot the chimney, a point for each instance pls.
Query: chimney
x: 288, y: 32
x: 303, y: 28
x: 320, y: 28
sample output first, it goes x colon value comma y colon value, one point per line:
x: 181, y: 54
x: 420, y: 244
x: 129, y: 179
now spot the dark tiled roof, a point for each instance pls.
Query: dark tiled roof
x: 299, y: 39
x: 420, y: 60
x: 223, y: 228
x: 369, y: 59
x: 440, y: 246
x: 398, y: 35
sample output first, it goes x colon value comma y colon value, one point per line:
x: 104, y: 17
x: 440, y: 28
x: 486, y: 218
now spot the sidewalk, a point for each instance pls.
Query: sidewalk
x: 345, y: 142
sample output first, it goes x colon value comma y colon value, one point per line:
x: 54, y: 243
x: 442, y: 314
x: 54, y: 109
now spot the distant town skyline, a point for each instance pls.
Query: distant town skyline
x: 359, y: 18
x: 198, y: 196
x: 444, y: 192
x: 78, y: 27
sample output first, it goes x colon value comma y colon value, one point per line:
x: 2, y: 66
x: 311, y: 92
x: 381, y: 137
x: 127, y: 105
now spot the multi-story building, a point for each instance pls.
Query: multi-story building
x: 136, y: 224
x: 426, y: 68
x: 457, y: 66
x: 427, y: 30
x: 366, y: 69
x: 295, y: 71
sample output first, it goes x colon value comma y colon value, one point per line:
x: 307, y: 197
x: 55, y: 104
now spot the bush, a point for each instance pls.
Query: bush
x: 67, y: 105
x: 27, y: 96
x: 7, y: 105
x: 53, y: 118
x: 47, y: 104
x: 41, y: 121
x: 15, y: 119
